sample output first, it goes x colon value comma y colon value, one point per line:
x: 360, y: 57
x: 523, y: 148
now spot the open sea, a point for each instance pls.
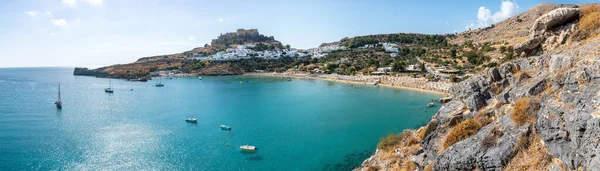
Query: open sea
x: 302, y: 124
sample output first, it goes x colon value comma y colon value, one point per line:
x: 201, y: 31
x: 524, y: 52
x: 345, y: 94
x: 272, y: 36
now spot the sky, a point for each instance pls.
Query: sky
x: 94, y: 33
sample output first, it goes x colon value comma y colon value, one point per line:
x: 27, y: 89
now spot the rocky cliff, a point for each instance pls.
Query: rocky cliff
x: 533, y: 113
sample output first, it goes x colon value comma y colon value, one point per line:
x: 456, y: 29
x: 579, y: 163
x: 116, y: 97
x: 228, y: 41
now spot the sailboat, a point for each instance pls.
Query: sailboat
x: 159, y: 84
x: 58, y: 103
x: 109, y: 89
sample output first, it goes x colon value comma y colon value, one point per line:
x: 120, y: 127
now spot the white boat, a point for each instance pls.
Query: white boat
x: 190, y: 119
x: 109, y: 89
x: 58, y: 102
x: 200, y: 78
x: 248, y: 148
x: 225, y: 127
x: 430, y: 104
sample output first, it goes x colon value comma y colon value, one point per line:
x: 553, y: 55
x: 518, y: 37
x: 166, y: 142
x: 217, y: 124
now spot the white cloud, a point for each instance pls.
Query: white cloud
x: 74, y: 3
x: 53, y: 34
x: 60, y: 22
x: 32, y: 13
x: 485, y: 17
x: 192, y: 38
x: 221, y: 20
x: 49, y: 13
x: 70, y: 3
x: 96, y: 2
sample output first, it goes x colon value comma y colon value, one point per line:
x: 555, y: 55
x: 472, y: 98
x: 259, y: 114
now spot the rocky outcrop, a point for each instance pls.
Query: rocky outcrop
x: 552, y: 20
x: 567, y: 123
x: 550, y: 30
x: 565, y: 128
x: 87, y: 72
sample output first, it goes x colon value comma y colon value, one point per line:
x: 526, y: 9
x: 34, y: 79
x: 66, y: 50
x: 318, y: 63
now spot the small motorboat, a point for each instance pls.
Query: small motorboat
x: 225, y: 127
x: 289, y: 79
x: 200, y: 78
x: 192, y: 120
x: 248, y: 148
x: 431, y: 104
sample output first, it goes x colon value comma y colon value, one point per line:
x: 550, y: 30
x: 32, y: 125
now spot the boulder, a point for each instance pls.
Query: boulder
x: 494, y: 74
x: 529, y: 45
x: 552, y: 20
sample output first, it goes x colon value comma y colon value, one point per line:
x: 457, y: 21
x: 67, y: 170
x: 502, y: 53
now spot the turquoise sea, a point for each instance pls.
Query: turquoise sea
x: 301, y: 124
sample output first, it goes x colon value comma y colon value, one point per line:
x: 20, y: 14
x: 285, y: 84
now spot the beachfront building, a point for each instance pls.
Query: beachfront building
x: 382, y: 71
x: 413, y: 68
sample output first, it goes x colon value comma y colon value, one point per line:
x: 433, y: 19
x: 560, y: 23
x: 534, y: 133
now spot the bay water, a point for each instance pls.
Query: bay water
x: 302, y: 124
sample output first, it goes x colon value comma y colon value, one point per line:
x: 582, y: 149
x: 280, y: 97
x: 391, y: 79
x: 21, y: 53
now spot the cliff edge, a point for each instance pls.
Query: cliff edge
x: 537, y: 112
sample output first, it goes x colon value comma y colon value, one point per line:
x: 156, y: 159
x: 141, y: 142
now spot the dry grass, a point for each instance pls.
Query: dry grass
x: 461, y: 131
x: 531, y: 155
x: 589, y: 23
x: 393, y: 140
x: 429, y: 167
x: 407, y: 138
x: 408, y: 166
x: 524, y: 111
x: 373, y: 168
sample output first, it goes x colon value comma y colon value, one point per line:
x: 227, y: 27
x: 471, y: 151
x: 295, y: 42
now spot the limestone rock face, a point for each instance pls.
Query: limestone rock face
x: 552, y: 20
x: 550, y: 30
x: 568, y: 121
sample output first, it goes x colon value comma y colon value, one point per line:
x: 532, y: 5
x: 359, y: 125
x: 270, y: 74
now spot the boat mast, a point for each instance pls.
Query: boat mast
x: 59, y: 91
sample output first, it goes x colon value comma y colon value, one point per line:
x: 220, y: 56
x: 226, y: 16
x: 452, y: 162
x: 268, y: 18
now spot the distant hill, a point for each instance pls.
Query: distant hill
x: 143, y: 66
x: 242, y: 36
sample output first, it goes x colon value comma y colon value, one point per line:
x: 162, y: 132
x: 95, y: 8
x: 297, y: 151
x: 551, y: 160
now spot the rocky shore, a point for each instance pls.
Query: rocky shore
x: 534, y: 113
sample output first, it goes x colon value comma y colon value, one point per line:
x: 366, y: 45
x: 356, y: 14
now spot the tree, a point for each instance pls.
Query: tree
x: 423, y: 67
x: 398, y: 66
x: 287, y: 46
x: 453, y: 53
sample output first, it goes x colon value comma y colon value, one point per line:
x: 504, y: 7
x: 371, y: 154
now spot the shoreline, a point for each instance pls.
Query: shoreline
x: 334, y: 78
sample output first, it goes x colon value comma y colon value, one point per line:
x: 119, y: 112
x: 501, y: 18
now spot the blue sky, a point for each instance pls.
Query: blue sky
x: 95, y: 33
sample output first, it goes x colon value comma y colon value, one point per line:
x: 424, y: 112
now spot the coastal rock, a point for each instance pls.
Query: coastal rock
x: 551, y: 29
x: 87, y: 72
x: 494, y: 74
x: 553, y: 19
x: 559, y: 63
x: 473, y: 91
x: 470, y: 154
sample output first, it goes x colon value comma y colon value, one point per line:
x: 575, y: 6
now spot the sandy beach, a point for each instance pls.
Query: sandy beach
x: 401, y: 82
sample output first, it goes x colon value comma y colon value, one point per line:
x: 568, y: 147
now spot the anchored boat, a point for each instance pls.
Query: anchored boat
x: 58, y: 102
x: 225, y: 127
x: 192, y: 120
x: 248, y: 148
x: 109, y: 89
x: 159, y: 84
